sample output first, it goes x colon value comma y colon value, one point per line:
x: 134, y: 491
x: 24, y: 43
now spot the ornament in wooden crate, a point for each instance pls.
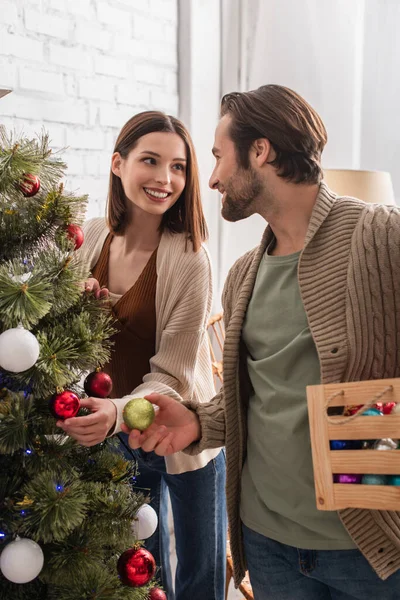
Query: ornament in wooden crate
x: 356, y: 456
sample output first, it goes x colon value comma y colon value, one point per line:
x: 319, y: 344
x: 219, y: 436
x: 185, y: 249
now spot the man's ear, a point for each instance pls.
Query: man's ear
x: 261, y: 150
x: 116, y: 160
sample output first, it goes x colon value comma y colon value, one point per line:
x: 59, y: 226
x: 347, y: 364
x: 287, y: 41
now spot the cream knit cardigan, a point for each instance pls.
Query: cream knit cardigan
x: 349, y: 277
x: 181, y: 366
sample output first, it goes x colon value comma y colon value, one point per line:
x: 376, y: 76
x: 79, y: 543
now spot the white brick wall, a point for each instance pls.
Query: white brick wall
x: 81, y: 68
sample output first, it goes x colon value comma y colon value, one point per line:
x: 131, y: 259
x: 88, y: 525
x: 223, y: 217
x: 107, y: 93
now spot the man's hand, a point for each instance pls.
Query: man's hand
x: 174, y: 428
x: 92, y: 285
x: 94, y: 428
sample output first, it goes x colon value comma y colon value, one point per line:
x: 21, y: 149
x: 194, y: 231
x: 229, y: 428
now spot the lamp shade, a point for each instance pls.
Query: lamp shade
x: 4, y: 91
x: 370, y: 186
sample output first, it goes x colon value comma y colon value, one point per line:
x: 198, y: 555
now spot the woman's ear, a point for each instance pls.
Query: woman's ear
x: 116, y: 160
x: 261, y: 151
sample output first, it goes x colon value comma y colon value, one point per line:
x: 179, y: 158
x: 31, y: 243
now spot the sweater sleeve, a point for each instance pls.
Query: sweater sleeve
x: 95, y: 232
x: 181, y: 367
x: 374, y: 289
x: 212, y: 414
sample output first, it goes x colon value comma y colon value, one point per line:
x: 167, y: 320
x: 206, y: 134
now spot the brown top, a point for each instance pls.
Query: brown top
x: 135, y: 314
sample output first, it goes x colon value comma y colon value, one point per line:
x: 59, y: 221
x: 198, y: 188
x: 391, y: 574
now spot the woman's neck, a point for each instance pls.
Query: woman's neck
x: 141, y: 234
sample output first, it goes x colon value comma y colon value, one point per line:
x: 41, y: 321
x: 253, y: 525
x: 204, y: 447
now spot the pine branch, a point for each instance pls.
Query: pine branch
x: 56, y: 503
x: 35, y: 590
x: 25, y: 297
x: 21, y: 156
x: 16, y: 414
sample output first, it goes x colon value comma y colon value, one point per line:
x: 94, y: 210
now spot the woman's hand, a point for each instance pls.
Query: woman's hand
x: 94, y: 428
x: 92, y: 285
x: 174, y: 428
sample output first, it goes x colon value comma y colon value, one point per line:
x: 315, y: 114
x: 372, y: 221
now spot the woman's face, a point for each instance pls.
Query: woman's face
x: 153, y: 174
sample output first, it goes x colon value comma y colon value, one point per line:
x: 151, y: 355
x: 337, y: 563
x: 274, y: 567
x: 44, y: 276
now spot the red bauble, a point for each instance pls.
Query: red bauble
x: 64, y: 405
x: 136, y: 567
x: 351, y: 410
x: 30, y: 185
x: 157, y: 594
x: 388, y: 407
x: 75, y: 233
x: 98, y: 384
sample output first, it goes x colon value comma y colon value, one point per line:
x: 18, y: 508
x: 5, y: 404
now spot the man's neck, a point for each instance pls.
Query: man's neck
x: 291, y: 216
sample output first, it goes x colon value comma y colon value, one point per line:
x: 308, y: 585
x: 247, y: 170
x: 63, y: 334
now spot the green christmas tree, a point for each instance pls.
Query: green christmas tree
x: 65, y: 510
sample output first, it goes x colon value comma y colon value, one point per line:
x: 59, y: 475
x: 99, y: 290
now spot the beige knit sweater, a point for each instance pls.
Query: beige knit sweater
x: 181, y: 366
x: 349, y: 277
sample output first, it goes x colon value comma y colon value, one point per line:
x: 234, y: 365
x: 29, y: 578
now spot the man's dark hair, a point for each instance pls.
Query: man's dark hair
x: 294, y: 129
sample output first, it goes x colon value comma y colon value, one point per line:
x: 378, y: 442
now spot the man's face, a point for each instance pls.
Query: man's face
x: 240, y: 188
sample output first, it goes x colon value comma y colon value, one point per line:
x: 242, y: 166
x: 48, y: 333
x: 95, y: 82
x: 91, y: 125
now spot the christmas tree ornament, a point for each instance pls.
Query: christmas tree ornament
x: 145, y: 522
x: 75, y: 233
x: 374, y: 480
x: 346, y: 478
x: 30, y: 185
x: 64, y: 405
x: 367, y: 444
x: 396, y: 409
x: 344, y: 444
x: 21, y: 560
x: 138, y: 413
x: 157, y: 593
x: 372, y: 412
x: 19, y: 350
x: 136, y: 567
x: 385, y: 444
x: 98, y: 384
x: 351, y: 410
x: 388, y: 407
x: 394, y: 480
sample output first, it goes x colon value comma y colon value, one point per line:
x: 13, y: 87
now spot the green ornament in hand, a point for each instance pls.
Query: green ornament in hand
x: 138, y: 414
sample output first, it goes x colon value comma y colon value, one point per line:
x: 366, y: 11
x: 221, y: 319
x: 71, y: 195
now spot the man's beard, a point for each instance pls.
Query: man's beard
x: 242, y: 190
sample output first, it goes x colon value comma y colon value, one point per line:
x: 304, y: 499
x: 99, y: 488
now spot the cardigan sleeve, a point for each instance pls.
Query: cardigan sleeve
x: 181, y: 367
x: 95, y: 232
x: 374, y: 289
x: 212, y: 414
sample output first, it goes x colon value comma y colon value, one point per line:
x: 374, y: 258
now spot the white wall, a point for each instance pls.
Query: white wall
x: 343, y: 57
x: 199, y: 97
x: 380, y: 134
x: 81, y: 68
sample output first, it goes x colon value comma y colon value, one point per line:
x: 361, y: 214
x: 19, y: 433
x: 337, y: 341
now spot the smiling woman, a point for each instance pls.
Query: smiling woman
x: 148, y: 257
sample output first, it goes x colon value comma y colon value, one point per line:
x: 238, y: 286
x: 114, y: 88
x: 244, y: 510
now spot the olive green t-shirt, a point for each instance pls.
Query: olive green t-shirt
x: 277, y: 496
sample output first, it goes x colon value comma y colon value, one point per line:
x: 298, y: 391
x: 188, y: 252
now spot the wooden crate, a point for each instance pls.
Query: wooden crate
x: 326, y: 462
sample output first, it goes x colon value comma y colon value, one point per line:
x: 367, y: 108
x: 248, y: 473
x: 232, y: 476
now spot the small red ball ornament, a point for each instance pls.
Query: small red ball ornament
x: 157, y: 594
x: 351, y: 410
x: 30, y: 185
x: 75, y: 233
x: 136, y: 567
x: 388, y: 407
x: 64, y: 405
x: 98, y: 384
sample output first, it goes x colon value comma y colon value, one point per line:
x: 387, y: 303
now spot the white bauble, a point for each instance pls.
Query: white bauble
x: 145, y: 522
x: 19, y: 350
x: 21, y: 560
x: 396, y: 410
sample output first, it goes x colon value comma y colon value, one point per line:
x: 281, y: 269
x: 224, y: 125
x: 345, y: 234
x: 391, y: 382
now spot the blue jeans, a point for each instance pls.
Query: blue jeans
x: 200, y: 524
x: 281, y: 572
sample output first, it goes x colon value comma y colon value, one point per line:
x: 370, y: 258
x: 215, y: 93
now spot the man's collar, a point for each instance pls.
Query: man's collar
x: 322, y: 207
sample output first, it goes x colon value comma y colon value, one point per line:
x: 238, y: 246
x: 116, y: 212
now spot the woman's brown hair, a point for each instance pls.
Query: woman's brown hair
x: 186, y: 215
x: 294, y: 129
